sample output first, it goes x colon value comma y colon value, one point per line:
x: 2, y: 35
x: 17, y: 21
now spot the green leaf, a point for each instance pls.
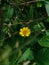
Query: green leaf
x: 6, y: 53
x: 47, y: 32
x: 3, y: 34
x: 6, y: 62
x: 9, y: 13
x: 47, y: 8
x: 17, y: 1
x: 31, y: 12
x: 42, y: 57
x: 37, y: 27
x: 26, y: 55
x: 44, y: 41
x: 48, y: 19
x: 39, y: 4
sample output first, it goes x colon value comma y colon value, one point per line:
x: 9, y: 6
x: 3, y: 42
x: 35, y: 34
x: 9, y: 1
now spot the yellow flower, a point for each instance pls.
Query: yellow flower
x: 25, y: 32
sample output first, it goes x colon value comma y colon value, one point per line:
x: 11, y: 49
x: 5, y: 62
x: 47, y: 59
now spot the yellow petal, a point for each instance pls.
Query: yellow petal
x: 23, y: 28
x: 25, y: 31
x: 27, y: 28
x: 20, y: 29
x: 20, y: 33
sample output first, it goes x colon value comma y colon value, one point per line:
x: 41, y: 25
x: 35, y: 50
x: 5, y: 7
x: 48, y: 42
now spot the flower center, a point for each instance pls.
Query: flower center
x: 25, y: 32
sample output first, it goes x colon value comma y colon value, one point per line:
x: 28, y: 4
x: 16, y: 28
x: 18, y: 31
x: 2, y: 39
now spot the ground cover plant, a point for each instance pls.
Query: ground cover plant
x: 24, y: 32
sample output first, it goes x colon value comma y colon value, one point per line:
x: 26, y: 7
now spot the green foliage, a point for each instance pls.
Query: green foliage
x: 27, y: 55
x: 47, y: 7
x: 18, y: 50
x: 39, y: 4
x: 43, y: 56
x: 44, y: 41
x: 31, y: 12
x: 48, y: 19
x: 9, y: 13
